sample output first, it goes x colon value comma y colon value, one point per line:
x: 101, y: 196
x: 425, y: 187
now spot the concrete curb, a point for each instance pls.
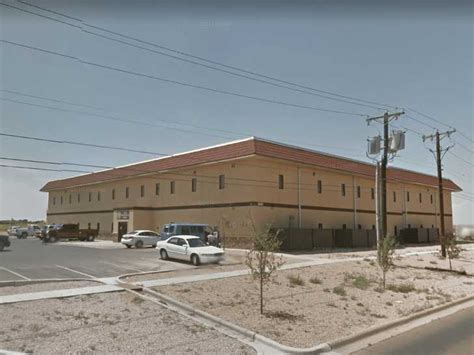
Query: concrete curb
x: 251, y: 335
x: 120, y: 277
x: 41, y: 281
x: 380, y: 328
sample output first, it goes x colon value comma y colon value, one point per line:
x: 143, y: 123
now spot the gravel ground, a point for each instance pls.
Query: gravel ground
x: 107, y: 323
x: 333, y: 300
x: 49, y: 286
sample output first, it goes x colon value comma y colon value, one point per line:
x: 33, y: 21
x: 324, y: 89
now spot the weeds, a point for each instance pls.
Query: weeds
x: 315, y: 280
x: 296, y: 280
x: 339, y: 290
x: 402, y: 288
x: 361, y: 282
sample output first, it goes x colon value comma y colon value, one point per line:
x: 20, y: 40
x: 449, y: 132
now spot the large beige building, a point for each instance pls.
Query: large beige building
x: 226, y: 184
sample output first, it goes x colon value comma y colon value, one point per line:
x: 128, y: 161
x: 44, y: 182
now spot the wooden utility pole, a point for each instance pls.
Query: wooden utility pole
x: 383, y: 167
x: 439, y: 157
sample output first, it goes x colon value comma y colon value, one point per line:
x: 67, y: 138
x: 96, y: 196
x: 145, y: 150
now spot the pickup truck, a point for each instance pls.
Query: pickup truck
x: 69, y: 231
x: 32, y: 230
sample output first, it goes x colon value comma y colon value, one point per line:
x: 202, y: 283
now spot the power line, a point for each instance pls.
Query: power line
x: 43, y: 169
x: 461, y: 159
x: 80, y: 144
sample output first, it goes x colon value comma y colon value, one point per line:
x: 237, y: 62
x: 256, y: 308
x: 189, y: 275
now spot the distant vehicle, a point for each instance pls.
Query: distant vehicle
x: 70, y: 231
x: 32, y: 230
x: 48, y: 228
x: 189, y: 248
x: 12, y: 230
x: 4, y: 242
x: 140, y: 238
x: 199, y: 230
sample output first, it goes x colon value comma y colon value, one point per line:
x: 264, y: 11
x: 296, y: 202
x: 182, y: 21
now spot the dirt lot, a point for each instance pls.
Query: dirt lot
x: 107, y: 323
x: 322, y: 303
x: 11, y: 290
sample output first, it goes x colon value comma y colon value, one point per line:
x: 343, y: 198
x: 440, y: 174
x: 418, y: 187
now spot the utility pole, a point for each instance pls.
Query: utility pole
x: 383, y: 166
x: 439, y: 154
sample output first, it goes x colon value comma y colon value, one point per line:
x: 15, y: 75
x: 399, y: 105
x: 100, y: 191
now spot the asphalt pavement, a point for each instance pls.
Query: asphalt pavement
x: 451, y: 335
x: 31, y: 259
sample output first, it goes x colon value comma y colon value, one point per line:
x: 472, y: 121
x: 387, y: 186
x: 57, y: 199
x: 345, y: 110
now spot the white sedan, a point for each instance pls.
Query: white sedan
x: 140, y: 239
x: 189, y: 248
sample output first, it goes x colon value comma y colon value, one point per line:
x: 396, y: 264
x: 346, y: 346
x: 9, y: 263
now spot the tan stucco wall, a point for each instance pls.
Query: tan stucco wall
x: 253, y: 179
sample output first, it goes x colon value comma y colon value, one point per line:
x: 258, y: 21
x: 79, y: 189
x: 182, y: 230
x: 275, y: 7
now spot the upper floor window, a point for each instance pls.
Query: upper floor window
x: 320, y: 226
x: 98, y: 195
x: 281, y: 182
x: 61, y: 200
x: 431, y: 199
x: 372, y: 193
x: 193, y: 185
x: 54, y: 200
x: 344, y: 226
x: 343, y: 189
x: 157, y: 188
x: 113, y: 194
x: 142, y: 191
x: 70, y: 199
x: 90, y: 196
x: 394, y: 196
x: 78, y: 198
x: 358, y: 191
x: 320, y: 186
x: 359, y: 226
x: 408, y: 196
x: 172, y: 187
x: 98, y: 226
x: 221, y: 182
x: 420, y: 197
x: 127, y: 192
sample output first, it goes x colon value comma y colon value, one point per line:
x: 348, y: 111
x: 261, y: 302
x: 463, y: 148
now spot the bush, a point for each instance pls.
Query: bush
x: 315, y: 280
x: 339, y: 290
x: 402, y: 288
x: 361, y: 282
x: 296, y: 280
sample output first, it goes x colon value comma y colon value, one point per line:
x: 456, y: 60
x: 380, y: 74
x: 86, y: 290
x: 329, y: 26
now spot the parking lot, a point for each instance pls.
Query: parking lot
x: 29, y: 259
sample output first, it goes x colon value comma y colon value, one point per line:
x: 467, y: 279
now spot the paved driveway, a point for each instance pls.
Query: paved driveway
x: 32, y: 259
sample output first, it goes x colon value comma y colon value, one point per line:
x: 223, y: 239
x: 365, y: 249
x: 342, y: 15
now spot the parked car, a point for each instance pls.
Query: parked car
x: 70, y: 231
x: 199, y: 230
x: 140, y: 238
x: 32, y: 230
x: 48, y: 228
x: 12, y: 230
x: 189, y: 248
x: 4, y: 242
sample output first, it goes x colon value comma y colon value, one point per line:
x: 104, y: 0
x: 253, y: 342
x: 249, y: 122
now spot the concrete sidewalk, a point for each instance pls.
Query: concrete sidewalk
x: 34, y: 296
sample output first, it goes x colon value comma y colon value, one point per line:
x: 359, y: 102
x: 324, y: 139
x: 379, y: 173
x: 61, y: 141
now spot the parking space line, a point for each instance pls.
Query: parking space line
x: 15, y: 273
x: 77, y: 272
x: 122, y: 267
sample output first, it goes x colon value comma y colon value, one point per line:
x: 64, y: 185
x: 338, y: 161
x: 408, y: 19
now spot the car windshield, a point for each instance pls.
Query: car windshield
x: 196, y: 243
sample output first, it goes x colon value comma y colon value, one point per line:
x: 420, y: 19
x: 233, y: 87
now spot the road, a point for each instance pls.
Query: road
x: 451, y: 335
x: 32, y: 259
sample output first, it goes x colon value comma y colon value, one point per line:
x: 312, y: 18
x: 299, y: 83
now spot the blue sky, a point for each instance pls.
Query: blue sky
x: 414, y: 54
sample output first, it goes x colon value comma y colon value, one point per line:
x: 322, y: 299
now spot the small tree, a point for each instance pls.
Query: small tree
x: 385, y: 256
x: 452, y: 249
x: 261, y: 259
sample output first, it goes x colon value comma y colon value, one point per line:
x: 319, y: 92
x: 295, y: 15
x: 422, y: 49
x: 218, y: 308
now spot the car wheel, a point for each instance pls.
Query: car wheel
x: 139, y: 244
x: 90, y: 238
x: 128, y: 246
x: 52, y: 239
x: 195, y: 260
x: 164, y: 254
x: 24, y: 235
x: 2, y: 246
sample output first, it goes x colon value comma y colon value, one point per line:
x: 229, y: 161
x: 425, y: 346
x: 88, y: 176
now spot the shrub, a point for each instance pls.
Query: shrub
x: 339, y: 290
x: 385, y: 252
x: 361, y: 282
x: 295, y: 280
x: 402, y: 288
x: 315, y: 280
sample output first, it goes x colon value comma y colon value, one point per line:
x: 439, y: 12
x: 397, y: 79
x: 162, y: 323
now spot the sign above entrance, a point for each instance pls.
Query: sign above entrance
x: 123, y: 214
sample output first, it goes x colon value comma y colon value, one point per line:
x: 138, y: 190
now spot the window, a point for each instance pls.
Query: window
x: 320, y: 186
x: 142, y: 191
x: 421, y: 226
x: 408, y: 196
x: 320, y: 226
x: 113, y: 194
x: 70, y: 199
x: 281, y: 182
x: 394, y: 196
x: 112, y: 227
x: 88, y: 226
x: 359, y: 226
x: 343, y: 189
x: 395, y: 230
x: 127, y: 192
x: 221, y: 182
x: 98, y: 195
x: 372, y: 193
x: 157, y: 188
x: 431, y: 199
x: 193, y: 185
x: 409, y: 226
x: 98, y: 226
x: 61, y: 200
x: 90, y: 196
x: 358, y: 191
x: 420, y: 197
x: 373, y: 226
x: 343, y: 226
x: 54, y: 200
x: 78, y: 198
x: 172, y: 187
